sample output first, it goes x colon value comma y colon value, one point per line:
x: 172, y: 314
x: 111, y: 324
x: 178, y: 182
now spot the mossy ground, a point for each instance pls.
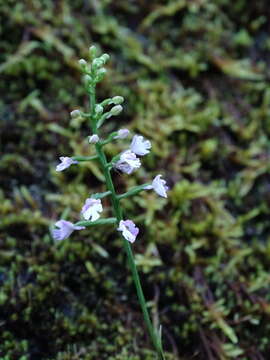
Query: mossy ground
x: 195, y: 79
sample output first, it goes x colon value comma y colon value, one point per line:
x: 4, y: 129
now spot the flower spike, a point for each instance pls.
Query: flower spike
x: 127, y: 161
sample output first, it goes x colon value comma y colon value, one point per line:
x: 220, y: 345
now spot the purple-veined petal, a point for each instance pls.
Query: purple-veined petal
x: 159, y: 186
x: 140, y: 146
x: 93, y: 139
x: 64, y: 229
x: 129, y: 230
x: 128, y: 162
x: 91, y: 209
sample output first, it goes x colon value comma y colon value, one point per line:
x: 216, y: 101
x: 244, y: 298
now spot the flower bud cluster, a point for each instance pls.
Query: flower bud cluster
x: 96, y: 72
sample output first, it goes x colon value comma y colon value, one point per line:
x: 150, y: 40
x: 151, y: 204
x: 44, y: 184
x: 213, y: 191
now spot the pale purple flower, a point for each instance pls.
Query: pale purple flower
x: 128, y: 162
x: 65, y: 163
x: 159, y: 186
x: 65, y: 228
x: 91, y: 209
x: 122, y: 134
x: 139, y: 145
x: 75, y: 113
x: 93, y: 139
x: 128, y: 229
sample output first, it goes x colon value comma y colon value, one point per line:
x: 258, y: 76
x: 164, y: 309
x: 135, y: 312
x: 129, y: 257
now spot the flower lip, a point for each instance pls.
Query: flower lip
x: 65, y: 163
x: 140, y: 146
x: 159, y: 186
x: 91, y: 209
x: 64, y: 229
x: 128, y: 229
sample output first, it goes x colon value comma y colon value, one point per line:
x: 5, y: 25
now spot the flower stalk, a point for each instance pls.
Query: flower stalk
x: 133, y: 191
x: 127, y: 162
x: 84, y: 158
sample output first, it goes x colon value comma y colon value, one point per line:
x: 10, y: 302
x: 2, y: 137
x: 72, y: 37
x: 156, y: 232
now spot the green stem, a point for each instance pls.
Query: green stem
x: 134, y: 191
x: 98, y: 222
x: 118, y: 214
x: 101, y: 195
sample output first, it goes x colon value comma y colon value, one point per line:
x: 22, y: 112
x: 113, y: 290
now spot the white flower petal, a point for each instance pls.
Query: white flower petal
x: 65, y: 228
x: 65, y: 163
x: 159, y: 186
x: 93, y: 139
x: 128, y: 162
x: 140, y: 146
x: 92, y: 209
x: 128, y: 229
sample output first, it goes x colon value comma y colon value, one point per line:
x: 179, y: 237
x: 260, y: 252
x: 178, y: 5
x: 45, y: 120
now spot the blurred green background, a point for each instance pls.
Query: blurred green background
x: 195, y: 77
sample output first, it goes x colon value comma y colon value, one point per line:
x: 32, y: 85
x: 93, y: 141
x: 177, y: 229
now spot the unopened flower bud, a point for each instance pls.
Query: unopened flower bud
x: 87, y: 79
x: 122, y: 134
x: 93, y: 139
x: 98, y: 109
x: 83, y: 63
x: 100, y: 74
x: 93, y: 51
x: 105, y: 57
x: 117, y: 100
x: 75, y: 114
x: 97, y: 63
x: 116, y: 110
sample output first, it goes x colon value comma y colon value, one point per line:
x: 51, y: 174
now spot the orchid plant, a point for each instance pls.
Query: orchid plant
x: 127, y: 162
